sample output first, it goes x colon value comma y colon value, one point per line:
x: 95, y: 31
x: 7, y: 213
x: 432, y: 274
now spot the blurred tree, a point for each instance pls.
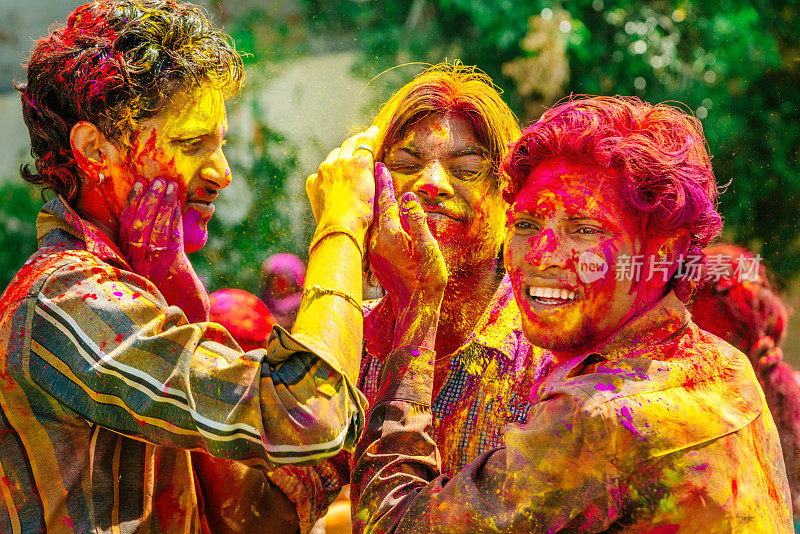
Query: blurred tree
x: 266, y: 35
x: 233, y: 255
x: 735, y: 65
x: 20, y: 204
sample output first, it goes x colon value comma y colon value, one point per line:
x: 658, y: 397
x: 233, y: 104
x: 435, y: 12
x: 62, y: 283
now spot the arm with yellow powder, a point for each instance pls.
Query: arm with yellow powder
x: 341, y: 195
x: 330, y: 317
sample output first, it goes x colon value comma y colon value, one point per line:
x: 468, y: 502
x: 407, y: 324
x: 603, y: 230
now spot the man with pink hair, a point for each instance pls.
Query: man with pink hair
x: 644, y: 422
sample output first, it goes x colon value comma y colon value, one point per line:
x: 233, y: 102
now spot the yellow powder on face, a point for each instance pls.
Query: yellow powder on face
x: 172, y: 144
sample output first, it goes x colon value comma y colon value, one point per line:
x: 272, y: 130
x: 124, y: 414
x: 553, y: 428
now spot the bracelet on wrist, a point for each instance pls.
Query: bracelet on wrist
x: 319, y: 290
x: 336, y: 229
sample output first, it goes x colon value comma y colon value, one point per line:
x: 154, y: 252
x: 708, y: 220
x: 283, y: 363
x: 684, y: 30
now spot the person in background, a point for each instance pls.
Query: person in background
x: 644, y: 422
x: 739, y: 304
x: 282, y: 279
x: 242, y: 314
x: 442, y: 137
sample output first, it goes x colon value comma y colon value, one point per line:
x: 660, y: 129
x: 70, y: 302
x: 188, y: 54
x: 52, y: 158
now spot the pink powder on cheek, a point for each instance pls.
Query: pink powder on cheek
x: 195, y: 230
x: 571, y: 265
x: 606, y: 284
x: 516, y: 277
x: 540, y: 243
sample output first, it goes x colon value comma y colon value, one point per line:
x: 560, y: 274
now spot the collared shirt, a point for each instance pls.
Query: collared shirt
x: 664, y: 428
x: 487, y: 383
x: 486, y: 387
x: 104, y: 389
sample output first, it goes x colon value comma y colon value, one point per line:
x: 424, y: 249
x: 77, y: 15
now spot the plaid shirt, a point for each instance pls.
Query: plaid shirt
x: 663, y: 428
x: 486, y: 387
x: 104, y: 389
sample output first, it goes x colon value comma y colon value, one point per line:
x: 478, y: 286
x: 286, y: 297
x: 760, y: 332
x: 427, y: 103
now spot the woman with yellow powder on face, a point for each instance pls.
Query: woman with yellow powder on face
x: 441, y: 137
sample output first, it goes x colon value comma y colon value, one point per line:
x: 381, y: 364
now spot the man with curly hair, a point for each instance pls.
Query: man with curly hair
x: 110, y: 373
x: 644, y: 423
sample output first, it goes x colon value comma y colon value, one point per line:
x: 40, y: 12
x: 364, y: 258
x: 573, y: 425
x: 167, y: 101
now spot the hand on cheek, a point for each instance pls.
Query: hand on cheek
x: 407, y: 262
x: 151, y: 239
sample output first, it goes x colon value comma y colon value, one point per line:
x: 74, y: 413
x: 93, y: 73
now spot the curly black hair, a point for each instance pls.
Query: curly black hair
x: 115, y: 63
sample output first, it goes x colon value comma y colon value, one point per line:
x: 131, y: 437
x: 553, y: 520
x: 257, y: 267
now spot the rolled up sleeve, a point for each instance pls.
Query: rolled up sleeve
x: 106, y: 345
x: 555, y: 469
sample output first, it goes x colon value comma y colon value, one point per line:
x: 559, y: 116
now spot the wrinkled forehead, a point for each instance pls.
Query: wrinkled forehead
x: 442, y: 127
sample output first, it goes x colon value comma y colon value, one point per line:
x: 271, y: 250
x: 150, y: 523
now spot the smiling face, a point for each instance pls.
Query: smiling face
x: 440, y: 159
x: 566, y: 216
x: 182, y: 144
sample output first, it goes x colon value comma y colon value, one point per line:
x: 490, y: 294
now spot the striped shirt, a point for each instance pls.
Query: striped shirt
x: 104, y: 390
x: 487, y: 386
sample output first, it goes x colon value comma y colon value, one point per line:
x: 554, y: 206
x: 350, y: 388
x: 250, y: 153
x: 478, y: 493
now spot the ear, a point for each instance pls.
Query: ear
x: 675, y: 245
x: 92, y: 151
x: 667, y: 250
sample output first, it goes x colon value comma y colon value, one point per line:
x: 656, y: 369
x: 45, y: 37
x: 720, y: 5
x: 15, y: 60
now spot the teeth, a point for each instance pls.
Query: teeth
x: 551, y: 293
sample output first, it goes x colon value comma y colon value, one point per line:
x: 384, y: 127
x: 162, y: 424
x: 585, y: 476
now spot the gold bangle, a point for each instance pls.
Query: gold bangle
x: 336, y: 229
x: 319, y: 290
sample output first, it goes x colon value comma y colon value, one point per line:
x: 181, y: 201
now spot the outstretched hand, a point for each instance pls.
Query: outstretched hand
x: 405, y: 258
x: 151, y: 240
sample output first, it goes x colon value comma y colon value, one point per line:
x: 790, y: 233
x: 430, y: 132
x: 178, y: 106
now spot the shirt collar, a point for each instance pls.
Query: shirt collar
x: 498, y: 327
x: 57, y: 214
x: 668, y: 318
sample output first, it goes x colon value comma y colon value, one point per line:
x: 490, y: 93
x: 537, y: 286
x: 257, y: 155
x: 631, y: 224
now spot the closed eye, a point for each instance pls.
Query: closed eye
x: 466, y: 173
x: 468, y: 166
x: 189, y: 145
x: 589, y: 230
x: 404, y: 168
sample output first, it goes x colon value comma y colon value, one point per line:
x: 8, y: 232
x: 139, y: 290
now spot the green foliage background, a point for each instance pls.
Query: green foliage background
x: 19, y: 205
x: 233, y: 254
x: 735, y: 64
